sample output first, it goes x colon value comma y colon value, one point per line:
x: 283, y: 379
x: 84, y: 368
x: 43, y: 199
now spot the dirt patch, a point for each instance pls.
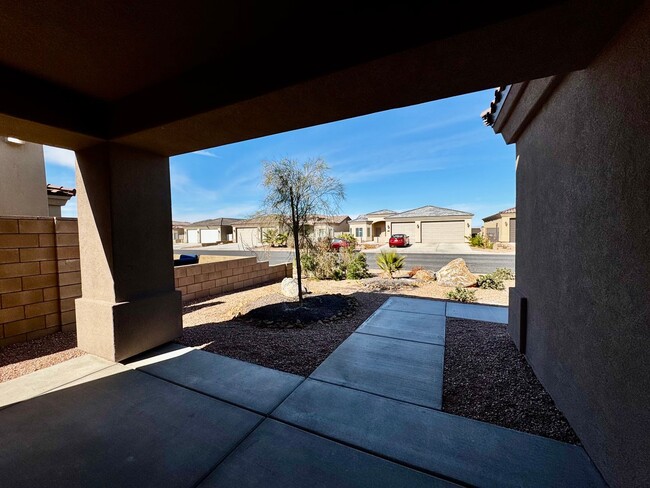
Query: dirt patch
x: 487, y: 379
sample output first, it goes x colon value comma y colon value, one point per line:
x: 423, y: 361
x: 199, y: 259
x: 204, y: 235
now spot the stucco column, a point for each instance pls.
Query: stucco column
x: 128, y: 303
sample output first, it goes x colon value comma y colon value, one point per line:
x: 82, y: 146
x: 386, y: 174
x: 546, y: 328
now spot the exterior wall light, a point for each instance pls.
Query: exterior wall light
x: 15, y: 140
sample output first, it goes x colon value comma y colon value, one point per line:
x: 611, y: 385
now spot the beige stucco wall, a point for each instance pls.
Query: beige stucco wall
x: 583, y: 259
x: 22, y: 180
x: 503, y: 223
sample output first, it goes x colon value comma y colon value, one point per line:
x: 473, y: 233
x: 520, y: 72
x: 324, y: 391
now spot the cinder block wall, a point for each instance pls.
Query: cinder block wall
x: 202, y: 280
x: 39, y: 277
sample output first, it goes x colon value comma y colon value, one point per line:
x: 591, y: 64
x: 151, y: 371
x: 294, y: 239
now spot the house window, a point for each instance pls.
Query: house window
x: 368, y: 232
x: 358, y: 231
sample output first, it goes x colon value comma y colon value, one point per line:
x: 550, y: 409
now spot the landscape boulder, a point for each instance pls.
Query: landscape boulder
x: 289, y: 288
x: 455, y: 273
x: 424, y: 275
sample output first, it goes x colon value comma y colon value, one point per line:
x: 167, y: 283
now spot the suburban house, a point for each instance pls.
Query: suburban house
x: 428, y: 224
x: 178, y: 231
x: 502, y: 226
x: 250, y: 232
x: 371, y: 227
x: 330, y: 225
x: 573, y: 97
x: 211, y: 231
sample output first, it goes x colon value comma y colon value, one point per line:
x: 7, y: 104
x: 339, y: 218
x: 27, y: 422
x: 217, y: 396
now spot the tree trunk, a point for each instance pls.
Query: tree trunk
x: 295, y: 227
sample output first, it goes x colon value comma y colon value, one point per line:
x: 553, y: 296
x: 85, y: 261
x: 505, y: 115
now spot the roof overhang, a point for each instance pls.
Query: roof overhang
x: 173, y: 78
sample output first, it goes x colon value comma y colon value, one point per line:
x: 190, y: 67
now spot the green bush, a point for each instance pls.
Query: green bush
x: 461, y: 294
x: 356, y: 266
x: 504, y: 274
x: 490, y: 282
x: 390, y: 262
x: 479, y: 240
x: 274, y: 238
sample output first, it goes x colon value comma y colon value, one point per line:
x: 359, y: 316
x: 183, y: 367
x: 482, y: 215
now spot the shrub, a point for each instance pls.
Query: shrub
x: 414, y: 270
x: 322, y: 263
x: 274, y: 238
x: 504, y: 274
x: 490, y: 282
x: 350, y: 238
x: 356, y: 266
x: 390, y: 262
x: 461, y: 294
x: 479, y: 240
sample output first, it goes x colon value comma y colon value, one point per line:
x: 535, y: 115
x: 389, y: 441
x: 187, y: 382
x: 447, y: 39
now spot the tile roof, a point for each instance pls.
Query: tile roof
x: 60, y: 191
x: 217, y: 221
x: 333, y: 219
x: 376, y: 212
x: 498, y: 214
x: 490, y: 115
x: 431, y: 211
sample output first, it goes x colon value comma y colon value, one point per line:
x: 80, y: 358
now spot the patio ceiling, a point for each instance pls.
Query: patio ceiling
x: 172, y: 79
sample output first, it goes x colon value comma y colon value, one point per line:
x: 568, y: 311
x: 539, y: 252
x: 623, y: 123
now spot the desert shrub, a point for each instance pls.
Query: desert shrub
x: 322, y: 263
x: 350, y: 238
x: 414, y: 270
x: 490, y: 282
x: 274, y: 238
x: 504, y: 274
x: 461, y: 294
x: 356, y: 266
x: 479, y: 240
x: 390, y: 262
x: 308, y: 263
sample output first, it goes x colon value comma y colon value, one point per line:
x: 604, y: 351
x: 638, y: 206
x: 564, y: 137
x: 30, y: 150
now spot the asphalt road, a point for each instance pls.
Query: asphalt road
x: 478, y: 263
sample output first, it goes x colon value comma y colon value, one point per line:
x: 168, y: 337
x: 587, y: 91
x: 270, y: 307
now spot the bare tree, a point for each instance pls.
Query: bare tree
x: 296, y: 193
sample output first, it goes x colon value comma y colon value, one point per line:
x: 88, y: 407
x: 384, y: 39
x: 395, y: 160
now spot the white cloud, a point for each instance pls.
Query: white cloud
x: 182, y: 183
x: 205, y: 152
x: 192, y: 214
x: 60, y: 157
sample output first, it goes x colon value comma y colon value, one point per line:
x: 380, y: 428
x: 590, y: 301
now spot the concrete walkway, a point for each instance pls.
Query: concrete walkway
x: 368, y: 416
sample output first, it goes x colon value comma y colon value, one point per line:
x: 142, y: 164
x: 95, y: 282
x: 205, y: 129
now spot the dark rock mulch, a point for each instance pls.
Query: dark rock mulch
x: 487, y: 379
x: 298, y: 350
x: 281, y: 313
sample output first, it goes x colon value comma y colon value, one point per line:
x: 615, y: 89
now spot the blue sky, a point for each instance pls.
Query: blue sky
x: 436, y: 153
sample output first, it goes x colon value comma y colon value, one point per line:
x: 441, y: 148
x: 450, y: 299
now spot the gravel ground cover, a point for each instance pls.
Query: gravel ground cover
x: 487, y: 379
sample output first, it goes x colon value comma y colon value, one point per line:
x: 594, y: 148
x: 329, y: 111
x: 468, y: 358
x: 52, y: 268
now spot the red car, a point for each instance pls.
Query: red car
x: 398, y: 240
x: 337, y: 243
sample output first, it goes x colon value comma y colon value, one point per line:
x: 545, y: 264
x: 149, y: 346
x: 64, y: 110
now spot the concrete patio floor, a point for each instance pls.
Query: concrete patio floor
x: 369, y: 415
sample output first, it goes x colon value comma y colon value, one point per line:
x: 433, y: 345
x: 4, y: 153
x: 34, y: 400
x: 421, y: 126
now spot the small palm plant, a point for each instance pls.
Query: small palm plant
x: 390, y: 262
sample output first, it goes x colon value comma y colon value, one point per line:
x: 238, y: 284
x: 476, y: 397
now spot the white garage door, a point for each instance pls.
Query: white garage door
x: 433, y: 232
x: 407, y: 228
x: 248, y: 237
x: 193, y: 236
x: 210, y: 235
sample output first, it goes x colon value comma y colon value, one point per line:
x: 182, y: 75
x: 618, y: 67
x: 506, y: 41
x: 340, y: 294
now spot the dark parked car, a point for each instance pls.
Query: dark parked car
x: 337, y: 243
x: 186, y: 259
x: 398, y: 240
